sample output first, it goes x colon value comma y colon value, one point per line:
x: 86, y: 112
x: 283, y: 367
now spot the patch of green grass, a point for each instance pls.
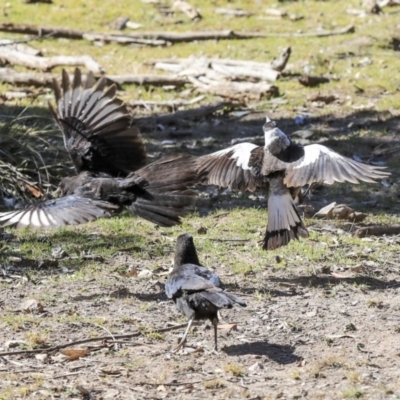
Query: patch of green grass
x: 352, y: 393
x: 373, y: 78
x: 235, y: 369
x: 214, y: 384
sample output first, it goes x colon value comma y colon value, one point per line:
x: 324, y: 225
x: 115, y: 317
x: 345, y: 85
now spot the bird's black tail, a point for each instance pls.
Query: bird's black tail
x: 166, y: 196
x: 221, y: 299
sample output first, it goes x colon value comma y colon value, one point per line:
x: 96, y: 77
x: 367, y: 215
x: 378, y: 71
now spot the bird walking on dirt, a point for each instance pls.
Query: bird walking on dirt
x: 196, y: 291
x: 109, y: 157
x: 281, y: 168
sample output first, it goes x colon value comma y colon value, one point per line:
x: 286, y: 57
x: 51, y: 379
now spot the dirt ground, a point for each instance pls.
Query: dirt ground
x: 301, y: 336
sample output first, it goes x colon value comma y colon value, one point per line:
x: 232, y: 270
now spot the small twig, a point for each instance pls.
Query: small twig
x: 169, y: 384
x: 105, y: 329
x: 98, y: 339
x: 65, y: 375
x: 24, y: 41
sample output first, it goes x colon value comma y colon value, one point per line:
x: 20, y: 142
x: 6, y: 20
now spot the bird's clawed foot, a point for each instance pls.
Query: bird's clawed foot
x: 181, y: 344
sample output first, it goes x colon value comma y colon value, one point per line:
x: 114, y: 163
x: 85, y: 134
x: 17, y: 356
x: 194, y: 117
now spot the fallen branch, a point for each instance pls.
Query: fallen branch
x: 20, y: 45
x: 233, y: 12
x: 15, y: 57
x: 123, y: 39
x: 218, y: 69
x: 187, y: 9
x: 191, y: 114
x: 173, y: 37
x: 233, y: 72
x: 98, y: 339
x: 376, y: 231
x: 9, y: 75
x: 156, y: 80
x: 235, y: 90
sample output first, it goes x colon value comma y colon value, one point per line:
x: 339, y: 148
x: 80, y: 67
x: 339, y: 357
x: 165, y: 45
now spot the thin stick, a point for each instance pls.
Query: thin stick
x: 167, y: 384
x: 105, y: 329
x: 98, y: 339
x: 65, y: 375
x: 173, y: 37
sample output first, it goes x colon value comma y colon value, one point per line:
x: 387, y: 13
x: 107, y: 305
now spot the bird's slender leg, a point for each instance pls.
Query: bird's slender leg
x: 182, y: 342
x: 215, y: 324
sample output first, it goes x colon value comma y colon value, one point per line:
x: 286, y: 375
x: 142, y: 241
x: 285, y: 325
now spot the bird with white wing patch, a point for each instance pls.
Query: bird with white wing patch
x: 281, y: 168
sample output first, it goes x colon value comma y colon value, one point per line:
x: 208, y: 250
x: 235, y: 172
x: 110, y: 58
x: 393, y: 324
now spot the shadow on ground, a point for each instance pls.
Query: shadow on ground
x: 281, y: 354
x: 329, y: 281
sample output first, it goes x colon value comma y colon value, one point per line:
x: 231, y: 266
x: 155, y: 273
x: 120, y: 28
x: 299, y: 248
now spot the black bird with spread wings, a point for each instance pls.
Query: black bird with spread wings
x: 196, y: 291
x: 109, y: 156
x: 281, y: 167
x: 96, y: 126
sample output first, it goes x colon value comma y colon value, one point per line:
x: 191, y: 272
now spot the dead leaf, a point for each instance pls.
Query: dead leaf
x: 341, y: 211
x: 41, y: 357
x: 59, y: 358
x: 325, y: 269
x: 35, y: 191
x: 256, y: 367
x: 132, y: 271
x: 202, y: 230
x: 58, y: 253
x: 325, y: 212
x: 32, y: 306
x: 114, y: 372
x: 232, y: 327
x: 341, y: 276
x: 13, y: 343
x: 74, y: 354
x: 358, y: 268
x: 187, y: 9
x: 320, y: 98
x: 145, y: 273
x: 357, y: 216
x: 275, y: 12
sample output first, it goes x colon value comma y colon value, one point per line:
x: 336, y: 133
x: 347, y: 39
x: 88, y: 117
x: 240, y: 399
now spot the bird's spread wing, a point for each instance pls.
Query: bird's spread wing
x: 70, y: 210
x: 96, y: 126
x: 235, y: 167
x: 195, y: 283
x: 320, y: 164
x: 209, y: 275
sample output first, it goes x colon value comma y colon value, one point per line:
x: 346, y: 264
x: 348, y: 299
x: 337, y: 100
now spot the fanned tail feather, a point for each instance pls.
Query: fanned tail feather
x: 222, y: 299
x: 284, y: 222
